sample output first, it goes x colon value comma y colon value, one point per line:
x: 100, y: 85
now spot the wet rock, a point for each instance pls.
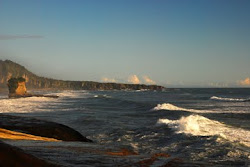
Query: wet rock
x: 31, y: 95
x: 123, y: 152
x: 41, y: 128
x: 11, y: 156
x: 148, y: 162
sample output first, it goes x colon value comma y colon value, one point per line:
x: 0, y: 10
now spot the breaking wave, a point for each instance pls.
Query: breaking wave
x: 197, y: 125
x: 102, y: 96
x: 72, y: 94
x: 229, y: 99
x: 171, y: 107
x: 26, y: 105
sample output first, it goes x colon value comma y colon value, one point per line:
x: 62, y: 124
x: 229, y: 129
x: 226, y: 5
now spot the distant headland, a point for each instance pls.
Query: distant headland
x: 10, y: 69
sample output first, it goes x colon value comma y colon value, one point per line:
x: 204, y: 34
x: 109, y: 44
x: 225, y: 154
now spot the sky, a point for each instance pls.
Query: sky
x: 174, y: 43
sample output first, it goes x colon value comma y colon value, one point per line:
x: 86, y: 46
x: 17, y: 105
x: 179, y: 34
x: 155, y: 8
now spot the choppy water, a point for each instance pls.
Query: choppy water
x: 208, y: 127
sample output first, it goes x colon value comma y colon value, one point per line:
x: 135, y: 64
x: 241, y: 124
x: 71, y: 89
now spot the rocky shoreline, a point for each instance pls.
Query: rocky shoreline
x: 23, y: 128
x: 41, y: 128
x: 11, y: 156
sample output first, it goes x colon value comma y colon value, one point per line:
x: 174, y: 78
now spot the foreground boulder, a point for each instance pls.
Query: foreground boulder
x: 11, y: 156
x: 41, y: 128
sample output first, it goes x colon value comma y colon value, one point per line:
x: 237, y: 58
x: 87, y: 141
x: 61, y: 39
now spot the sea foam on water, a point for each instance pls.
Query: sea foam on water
x: 197, y: 125
x: 171, y: 107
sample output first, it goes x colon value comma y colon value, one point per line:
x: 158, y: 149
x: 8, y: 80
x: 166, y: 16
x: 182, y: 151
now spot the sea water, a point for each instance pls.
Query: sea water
x: 209, y: 127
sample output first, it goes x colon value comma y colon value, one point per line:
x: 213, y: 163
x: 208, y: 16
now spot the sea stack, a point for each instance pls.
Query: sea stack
x: 17, y: 87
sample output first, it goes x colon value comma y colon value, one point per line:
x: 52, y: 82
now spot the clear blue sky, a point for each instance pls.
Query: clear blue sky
x: 176, y: 43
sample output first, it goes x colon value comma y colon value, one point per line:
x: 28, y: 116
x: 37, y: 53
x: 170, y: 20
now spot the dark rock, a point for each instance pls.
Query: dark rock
x: 11, y: 156
x: 41, y: 128
x: 31, y: 95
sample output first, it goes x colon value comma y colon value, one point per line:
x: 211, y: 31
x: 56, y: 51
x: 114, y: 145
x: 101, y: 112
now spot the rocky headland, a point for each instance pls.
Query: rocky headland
x: 9, y: 69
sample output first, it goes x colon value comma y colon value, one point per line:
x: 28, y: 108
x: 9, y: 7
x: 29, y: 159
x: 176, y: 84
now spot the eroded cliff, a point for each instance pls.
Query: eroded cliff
x: 10, y: 69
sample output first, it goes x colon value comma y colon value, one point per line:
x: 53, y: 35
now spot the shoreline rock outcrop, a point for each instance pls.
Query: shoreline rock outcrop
x: 16, y: 157
x: 41, y: 128
x: 25, y: 128
x: 17, y: 89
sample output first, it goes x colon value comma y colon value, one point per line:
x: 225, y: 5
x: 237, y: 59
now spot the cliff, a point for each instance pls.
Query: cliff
x: 9, y: 69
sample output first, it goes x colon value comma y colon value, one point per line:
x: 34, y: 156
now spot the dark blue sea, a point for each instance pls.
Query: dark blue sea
x: 194, y: 127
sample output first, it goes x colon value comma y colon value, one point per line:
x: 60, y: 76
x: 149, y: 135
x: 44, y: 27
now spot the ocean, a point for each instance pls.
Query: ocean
x: 194, y: 127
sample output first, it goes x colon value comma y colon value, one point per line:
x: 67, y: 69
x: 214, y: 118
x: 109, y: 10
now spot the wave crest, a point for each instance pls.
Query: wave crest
x: 229, y: 99
x: 102, y: 96
x: 72, y: 94
x: 171, y: 107
x: 197, y: 125
x: 168, y: 106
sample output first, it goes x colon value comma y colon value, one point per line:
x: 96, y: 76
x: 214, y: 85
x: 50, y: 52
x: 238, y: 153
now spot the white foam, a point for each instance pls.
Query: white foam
x: 71, y: 94
x: 228, y: 99
x: 197, y: 125
x: 171, y: 107
x: 102, y: 96
x: 24, y: 105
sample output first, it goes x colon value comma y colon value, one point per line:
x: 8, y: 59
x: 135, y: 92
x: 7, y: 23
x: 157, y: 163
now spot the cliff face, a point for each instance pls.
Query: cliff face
x: 9, y: 69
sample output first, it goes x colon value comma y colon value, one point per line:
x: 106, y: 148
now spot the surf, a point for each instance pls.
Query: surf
x: 171, y: 107
x: 25, y: 105
x: 197, y: 125
x: 229, y: 99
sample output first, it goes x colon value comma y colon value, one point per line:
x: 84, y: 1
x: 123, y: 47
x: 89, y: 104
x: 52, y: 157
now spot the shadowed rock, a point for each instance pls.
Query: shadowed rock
x: 41, y: 128
x: 11, y: 156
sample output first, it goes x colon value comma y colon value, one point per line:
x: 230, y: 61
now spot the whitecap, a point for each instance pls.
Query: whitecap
x: 72, y: 94
x: 102, y: 96
x: 171, y: 107
x: 229, y: 99
x: 197, y: 125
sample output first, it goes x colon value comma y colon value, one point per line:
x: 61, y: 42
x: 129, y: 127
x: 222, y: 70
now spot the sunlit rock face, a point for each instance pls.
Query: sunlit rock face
x: 17, y: 87
x: 21, y: 89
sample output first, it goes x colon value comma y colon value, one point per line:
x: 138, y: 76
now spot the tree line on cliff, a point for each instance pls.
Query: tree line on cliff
x: 9, y: 69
